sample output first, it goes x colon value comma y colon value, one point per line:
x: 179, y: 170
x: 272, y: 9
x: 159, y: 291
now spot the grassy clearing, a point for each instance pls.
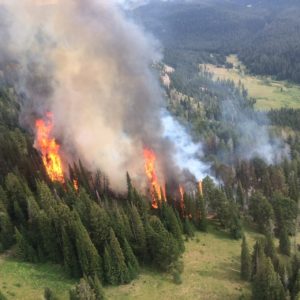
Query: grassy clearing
x: 27, y: 281
x: 211, y: 271
x: 267, y: 92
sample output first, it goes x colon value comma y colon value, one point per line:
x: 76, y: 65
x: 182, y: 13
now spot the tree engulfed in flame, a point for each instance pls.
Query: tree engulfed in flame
x: 200, y: 187
x: 155, y: 187
x: 181, y: 192
x: 49, y: 149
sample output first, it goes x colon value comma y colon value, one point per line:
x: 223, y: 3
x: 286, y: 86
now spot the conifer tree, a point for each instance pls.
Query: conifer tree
x: 70, y: 260
x: 171, y: 223
x: 130, y: 259
x: 245, y: 261
x: 284, y: 242
x: 97, y: 287
x: 107, y: 266
x: 139, y: 245
x: 188, y: 228
x: 163, y: 247
x: 89, y: 259
x: 203, y: 214
x: 119, y: 271
x: 270, y: 250
x: 82, y: 291
x: 266, y: 283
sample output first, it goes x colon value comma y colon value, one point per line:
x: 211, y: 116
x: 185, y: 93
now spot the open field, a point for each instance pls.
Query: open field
x: 267, y: 92
x: 19, y: 280
x: 211, y: 271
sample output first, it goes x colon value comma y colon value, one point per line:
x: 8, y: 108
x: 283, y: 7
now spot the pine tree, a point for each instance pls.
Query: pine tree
x: 266, y: 283
x: 203, y: 215
x: 97, y: 287
x: 139, y: 245
x: 171, y: 223
x: 270, y: 250
x: 89, y: 259
x: 163, y: 247
x: 188, y: 228
x: 119, y: 271
x: 82, y: 291
x: 130, y: 259
x: 245, y: 261
x: 71, y: 264
x: 284, y: 242
x: 24, y: 250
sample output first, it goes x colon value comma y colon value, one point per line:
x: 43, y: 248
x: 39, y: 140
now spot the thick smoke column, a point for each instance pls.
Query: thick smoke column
x: 87, y: 64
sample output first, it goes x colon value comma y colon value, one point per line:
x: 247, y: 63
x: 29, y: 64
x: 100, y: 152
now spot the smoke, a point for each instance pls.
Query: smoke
x: 253, y: 131
x: 90, y: 66
x: 188, y: 154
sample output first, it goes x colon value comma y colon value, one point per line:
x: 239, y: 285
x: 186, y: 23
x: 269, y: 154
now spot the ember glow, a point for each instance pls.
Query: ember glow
x: 155, y: 187
x: 49, y: 149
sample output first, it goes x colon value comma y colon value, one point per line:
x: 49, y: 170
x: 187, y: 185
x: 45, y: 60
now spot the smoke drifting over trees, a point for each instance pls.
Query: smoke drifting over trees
x: 90, y: 66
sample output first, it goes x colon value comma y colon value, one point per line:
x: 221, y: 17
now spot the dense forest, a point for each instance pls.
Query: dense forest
x: 264, y: 34
x: 102, y: 237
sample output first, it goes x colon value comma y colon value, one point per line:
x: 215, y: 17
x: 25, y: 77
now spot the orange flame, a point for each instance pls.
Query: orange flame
x: 181, y: 192
x: 49, y: 149
x: 75, y: 184
x: 200, y: 187
x: 155, y: 189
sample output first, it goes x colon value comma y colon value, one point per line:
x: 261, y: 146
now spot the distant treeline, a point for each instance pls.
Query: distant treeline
x: 265, y: 34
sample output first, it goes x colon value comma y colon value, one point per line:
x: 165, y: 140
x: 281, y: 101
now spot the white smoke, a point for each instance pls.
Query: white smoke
x: 188, y: 155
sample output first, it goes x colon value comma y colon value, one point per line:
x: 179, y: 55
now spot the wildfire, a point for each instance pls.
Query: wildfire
x: 200, y: 187
x: 155, y: 187
x: 75, y: 184
x: 181, y: 192
x: 49, y: 149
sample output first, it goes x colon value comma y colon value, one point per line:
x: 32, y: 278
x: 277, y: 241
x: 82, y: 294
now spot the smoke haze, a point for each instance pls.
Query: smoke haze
x: 90, y: 66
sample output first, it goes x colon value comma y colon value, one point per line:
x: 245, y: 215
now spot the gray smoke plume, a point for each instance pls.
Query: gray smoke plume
x: 90, y: 66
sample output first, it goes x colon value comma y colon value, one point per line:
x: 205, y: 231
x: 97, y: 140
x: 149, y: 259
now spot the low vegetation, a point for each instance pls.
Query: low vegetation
x: 268, y: 93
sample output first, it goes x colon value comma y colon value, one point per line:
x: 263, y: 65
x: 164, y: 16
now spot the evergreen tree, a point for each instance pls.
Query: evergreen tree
x: 88, y: 257
x: 139, y: 245
x: 82, y: 291
x: 266, y: 284
x: 203, y: 214
x: 97, y: 287
x: 284, y: 242
x: 188, y: 228
x: 130, y: 259
x: 171, y: 223
x: 245, y: 261
x: 270, y: 250
x: 163, y: 247
x: 119, y: 271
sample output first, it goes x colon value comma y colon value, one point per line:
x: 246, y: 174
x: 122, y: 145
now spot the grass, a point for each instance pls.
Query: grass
x: 211, y: 271
x: 19, y: 280
x: 268, y: 93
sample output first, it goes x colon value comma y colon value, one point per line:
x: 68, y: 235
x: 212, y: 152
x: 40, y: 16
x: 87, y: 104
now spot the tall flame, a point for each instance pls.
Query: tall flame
x: 49, y: 149
x: 200, y: 187
x: 155, y: 187
x: 181, y: 192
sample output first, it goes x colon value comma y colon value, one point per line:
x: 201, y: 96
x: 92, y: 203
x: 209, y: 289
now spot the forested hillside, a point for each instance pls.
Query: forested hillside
x: 265, y: 34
